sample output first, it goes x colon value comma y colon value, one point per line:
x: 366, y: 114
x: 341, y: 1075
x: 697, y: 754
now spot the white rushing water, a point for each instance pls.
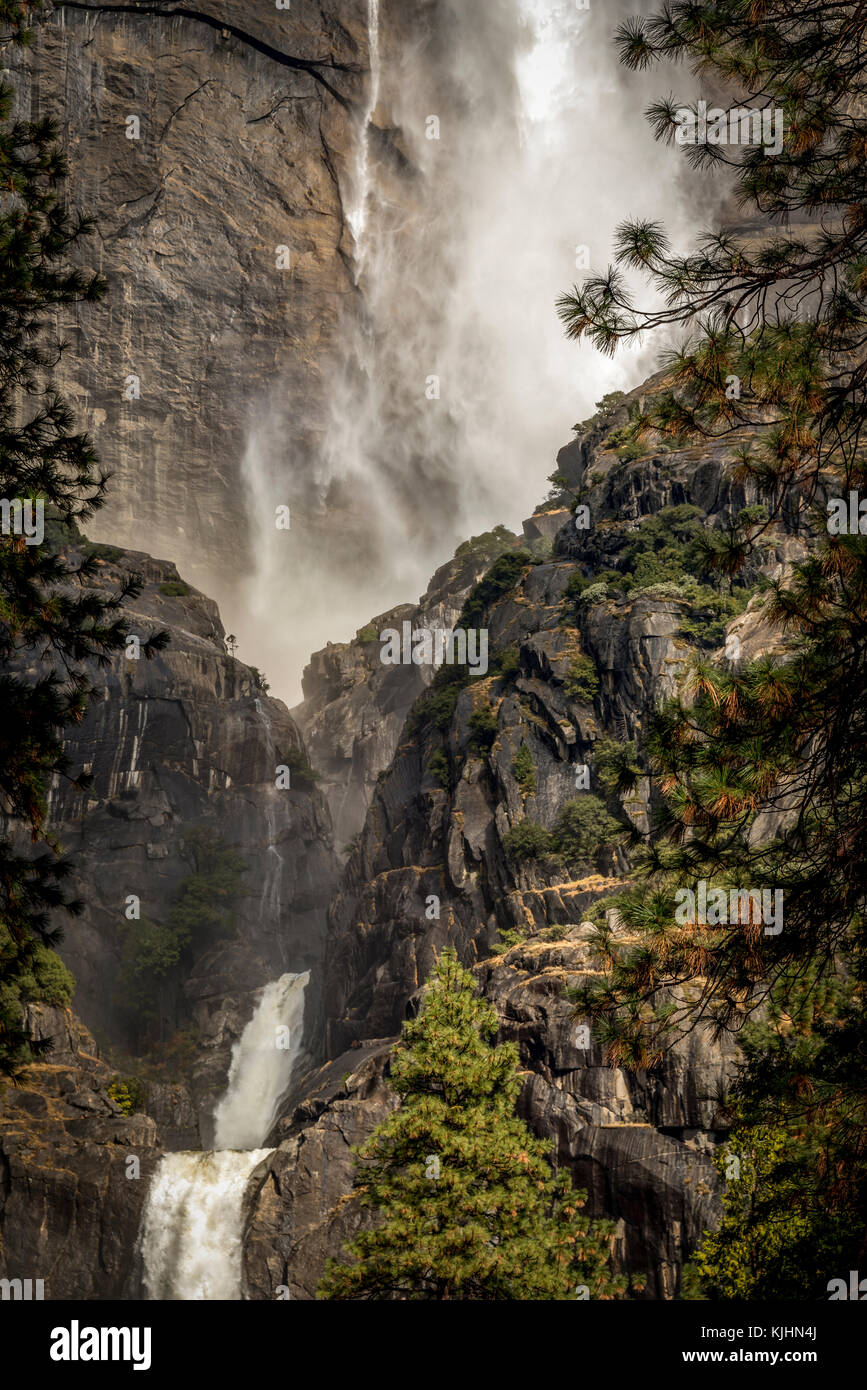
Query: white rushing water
x: 357, y: 212
x: 262, y: 1062
x: 190, y: 1238
x: 451, y: 385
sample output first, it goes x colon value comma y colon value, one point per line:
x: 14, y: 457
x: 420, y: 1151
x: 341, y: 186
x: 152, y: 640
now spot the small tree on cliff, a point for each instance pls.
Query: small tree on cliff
x: 471, y: 1208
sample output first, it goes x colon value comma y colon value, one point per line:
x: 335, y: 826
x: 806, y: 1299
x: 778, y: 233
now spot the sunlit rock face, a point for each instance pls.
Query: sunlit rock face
x: 70, y: 1203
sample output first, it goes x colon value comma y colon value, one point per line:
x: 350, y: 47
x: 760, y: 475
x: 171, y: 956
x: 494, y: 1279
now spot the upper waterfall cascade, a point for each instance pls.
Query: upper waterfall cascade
x: 467, y: 192
x: 357, y: 212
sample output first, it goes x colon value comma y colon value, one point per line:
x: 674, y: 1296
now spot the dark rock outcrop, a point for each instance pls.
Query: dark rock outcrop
x: 190, y: 739
x: 74, y: 1171
x: 354, y: 707
x: 301, y: 1208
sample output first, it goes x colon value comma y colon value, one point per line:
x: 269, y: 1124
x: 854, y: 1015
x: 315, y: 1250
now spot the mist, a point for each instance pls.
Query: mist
x: 455, y: 386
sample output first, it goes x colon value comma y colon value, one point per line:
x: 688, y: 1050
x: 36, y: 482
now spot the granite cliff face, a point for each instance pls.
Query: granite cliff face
x: 640, y: 1144
x: 433, y: 867
x: 355, y: 707
x: 70, y: 1200
x: 215, y: 146
x: 190, y: 739
x: 243, y: 125
x: 421, y: 839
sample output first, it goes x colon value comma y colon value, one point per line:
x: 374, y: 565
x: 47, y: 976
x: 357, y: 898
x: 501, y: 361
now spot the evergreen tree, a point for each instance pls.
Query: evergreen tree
x: 773, y: 360
x: 469, y: 1205
x: 795, y: 1189
x: 15, y: 17
x: 52, y: 618
x: 761, y: 1237
x: 156, y: 957
x: 776, y: 323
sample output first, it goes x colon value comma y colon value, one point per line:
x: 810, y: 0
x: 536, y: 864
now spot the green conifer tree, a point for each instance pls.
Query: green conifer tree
x: 774, y: 362
x: 469, y: 1205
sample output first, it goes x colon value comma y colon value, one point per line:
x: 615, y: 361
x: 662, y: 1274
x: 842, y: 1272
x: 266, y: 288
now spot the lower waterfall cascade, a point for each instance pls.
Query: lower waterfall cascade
x: 190, y: 1238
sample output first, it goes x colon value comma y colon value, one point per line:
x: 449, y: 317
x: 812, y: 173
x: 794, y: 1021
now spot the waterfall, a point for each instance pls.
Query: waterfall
x: 262, y: 1062
x: 191, y: 1236
x: 356, y: 214
x: 264, y: 491
x: 273, y: 875
x: 190, y: 1239
x: 448, y: 386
